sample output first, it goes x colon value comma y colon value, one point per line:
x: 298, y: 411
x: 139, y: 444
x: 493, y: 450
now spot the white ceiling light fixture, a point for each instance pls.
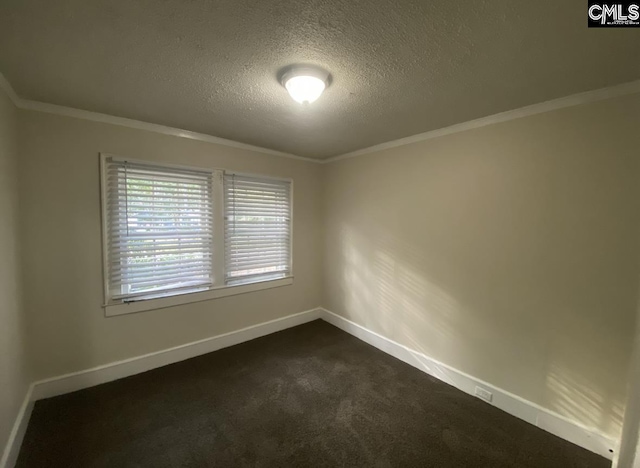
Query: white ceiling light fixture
x: 305, y: 84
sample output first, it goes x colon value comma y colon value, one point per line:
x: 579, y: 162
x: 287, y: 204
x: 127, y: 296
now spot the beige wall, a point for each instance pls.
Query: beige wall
x: 60, y: 199
x: 509, y: 252
x: 14, y: 376
x: 629, y: 451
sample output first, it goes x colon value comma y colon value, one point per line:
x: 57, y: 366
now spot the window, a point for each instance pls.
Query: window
x: 172, y: 231
x: 257, y: 227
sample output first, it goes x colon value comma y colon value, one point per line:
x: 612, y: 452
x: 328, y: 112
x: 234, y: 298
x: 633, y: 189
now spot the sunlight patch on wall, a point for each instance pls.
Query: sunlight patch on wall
x: 580, y: 400
x: 385, y: 291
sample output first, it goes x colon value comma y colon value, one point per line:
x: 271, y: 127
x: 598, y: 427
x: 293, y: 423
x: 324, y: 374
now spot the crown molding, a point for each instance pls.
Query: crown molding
x: 555, y: 104
x: 151, y: 127
x: 137, y: 124
x: 547, y: 106
x: 8, y: 89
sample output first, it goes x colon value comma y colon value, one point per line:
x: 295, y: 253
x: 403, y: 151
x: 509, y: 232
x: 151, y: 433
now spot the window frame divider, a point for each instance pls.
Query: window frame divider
x: 217, y: 239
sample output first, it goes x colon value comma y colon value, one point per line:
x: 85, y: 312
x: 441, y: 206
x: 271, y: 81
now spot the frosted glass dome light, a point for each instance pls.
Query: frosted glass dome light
x: 305, y: 85
x: 305, y: 88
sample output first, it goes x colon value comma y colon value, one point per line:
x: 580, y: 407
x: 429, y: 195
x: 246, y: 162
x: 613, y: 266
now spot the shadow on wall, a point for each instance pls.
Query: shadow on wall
x: 386, y: 287
x: 62, y: 261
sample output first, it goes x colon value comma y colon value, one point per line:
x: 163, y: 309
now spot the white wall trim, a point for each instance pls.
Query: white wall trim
x: 588, y: 438
x: 74, y: 381
x: 137, y: 124
x: 532, y: 413
x: 117, y: 370
x: 113, y: 310
x: 547, y: 106
x: 151, y: 127
x: 12, y: 449
x: 555, y: 104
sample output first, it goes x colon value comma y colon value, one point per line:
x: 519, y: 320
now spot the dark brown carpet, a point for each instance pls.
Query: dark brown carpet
x: 308, y: 396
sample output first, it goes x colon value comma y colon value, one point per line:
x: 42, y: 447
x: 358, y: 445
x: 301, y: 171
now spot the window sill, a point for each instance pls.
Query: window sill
x: 112, y: 310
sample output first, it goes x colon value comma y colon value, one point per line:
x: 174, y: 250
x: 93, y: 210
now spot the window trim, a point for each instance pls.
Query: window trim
x: 219, y: 288
x: 123, y: 308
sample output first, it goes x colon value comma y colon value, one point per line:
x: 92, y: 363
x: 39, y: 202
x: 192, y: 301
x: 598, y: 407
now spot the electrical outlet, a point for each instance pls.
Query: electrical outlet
x: 486, y: 395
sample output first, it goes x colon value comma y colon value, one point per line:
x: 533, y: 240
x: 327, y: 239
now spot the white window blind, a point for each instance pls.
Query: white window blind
x: 257, y: 228
x: 159, y: 227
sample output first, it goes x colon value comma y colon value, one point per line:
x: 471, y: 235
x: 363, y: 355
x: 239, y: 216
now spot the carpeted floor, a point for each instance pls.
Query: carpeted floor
x: 310, y: 396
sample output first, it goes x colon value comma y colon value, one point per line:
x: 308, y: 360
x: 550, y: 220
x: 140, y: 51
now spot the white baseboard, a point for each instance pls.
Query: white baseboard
x: 554, y: 423
x: 532, y: 413
x: 118, y: 370
x: 12, y: 449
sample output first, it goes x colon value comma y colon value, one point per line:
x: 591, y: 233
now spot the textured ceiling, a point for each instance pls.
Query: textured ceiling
x: 399, y: 67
